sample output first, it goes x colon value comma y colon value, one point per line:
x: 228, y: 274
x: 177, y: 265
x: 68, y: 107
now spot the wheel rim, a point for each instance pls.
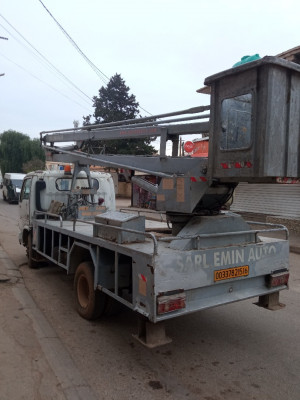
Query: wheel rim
x: 83, y: 291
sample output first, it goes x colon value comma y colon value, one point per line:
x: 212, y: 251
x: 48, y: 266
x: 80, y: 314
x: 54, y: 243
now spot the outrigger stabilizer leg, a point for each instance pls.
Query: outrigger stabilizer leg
x: 270, y: 302
x: 151, y: 335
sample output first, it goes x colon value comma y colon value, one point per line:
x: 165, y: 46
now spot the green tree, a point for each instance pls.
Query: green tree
x: 33, y: 165
x: 36, y: 151
x: 17, y: 149
x: 115, y: 103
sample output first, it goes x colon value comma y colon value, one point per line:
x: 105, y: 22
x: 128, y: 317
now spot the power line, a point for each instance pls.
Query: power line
x: 44, y: 58
x: 4, y: 38
x: 47, y: 84
x: 101, y: 74
x: 45, y: 64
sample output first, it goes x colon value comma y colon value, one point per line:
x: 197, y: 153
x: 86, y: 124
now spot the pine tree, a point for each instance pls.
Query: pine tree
x: 115, y: 103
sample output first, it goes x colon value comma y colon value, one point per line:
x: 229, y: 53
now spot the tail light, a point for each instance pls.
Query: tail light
x: 169, y: 303
x: 278, y: 279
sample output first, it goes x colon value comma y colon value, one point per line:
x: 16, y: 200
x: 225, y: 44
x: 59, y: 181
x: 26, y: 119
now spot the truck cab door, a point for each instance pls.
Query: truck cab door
x: 24, y: 207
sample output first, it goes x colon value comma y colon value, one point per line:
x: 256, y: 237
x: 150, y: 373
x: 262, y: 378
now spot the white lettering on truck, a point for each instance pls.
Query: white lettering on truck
x: 229, y: 257
x: 196, y: 261
x: 224, y: 258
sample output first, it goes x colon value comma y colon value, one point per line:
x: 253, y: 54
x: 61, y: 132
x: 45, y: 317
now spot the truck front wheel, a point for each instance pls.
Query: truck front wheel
x: 90, y: 303
x: 31, y: 254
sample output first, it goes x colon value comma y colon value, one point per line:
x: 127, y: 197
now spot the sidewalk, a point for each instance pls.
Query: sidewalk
x: 34, y: 362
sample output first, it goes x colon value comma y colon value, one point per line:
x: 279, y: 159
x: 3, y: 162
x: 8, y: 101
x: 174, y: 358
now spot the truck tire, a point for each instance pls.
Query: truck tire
x: 90, y: 303
x: 31, y: 254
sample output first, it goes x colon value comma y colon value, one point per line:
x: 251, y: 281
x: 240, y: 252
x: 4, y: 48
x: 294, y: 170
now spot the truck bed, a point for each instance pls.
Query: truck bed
x: 208, y: 276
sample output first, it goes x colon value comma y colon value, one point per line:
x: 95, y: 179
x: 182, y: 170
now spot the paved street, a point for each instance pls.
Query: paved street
x: 233, y: 352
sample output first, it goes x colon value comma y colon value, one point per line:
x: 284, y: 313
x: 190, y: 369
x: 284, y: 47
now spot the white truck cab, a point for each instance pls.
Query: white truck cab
x: 56, y: 192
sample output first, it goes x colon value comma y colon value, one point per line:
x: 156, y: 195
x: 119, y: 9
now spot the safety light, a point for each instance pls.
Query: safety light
x: 237, y: 164
x: 169, y: 303
x: 67, y: 169
x: 225, y: 165
x: 201, y: 179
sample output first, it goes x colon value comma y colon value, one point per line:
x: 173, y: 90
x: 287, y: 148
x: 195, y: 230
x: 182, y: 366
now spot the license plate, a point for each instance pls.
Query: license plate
x: 229, y: 273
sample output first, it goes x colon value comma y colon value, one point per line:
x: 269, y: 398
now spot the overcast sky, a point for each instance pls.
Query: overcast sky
x: 163, y: 49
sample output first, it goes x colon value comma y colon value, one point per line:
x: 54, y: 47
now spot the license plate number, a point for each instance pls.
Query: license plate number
x: 230, y: 273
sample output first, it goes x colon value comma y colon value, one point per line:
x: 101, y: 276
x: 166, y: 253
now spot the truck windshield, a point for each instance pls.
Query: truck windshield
x: 64, y: 184
x: 17, y: 182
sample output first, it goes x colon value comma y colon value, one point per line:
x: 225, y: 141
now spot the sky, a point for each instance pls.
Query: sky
x: 163, y: 49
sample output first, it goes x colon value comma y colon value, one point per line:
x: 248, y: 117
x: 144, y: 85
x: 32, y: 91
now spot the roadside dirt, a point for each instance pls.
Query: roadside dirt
x: 24, y: 371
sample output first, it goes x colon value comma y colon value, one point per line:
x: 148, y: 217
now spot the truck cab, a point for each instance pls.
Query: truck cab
x: 56, y: 192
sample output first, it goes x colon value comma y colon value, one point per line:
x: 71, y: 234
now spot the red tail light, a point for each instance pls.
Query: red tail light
x: 166, y: 304
x: 278, y: 279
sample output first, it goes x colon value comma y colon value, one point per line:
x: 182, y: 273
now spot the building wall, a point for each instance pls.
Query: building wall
x: 269, y: 199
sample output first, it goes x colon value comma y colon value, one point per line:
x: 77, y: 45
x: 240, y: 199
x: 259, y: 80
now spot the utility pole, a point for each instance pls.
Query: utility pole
x: 4, y: 38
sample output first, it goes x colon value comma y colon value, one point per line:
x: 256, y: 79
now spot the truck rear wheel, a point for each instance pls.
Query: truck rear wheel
x: 90, y: 303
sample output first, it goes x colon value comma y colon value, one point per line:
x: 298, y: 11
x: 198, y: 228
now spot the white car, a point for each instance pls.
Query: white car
x: 12, y: 184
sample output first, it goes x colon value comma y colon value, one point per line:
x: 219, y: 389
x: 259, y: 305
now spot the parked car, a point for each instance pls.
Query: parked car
x: 12, y: 184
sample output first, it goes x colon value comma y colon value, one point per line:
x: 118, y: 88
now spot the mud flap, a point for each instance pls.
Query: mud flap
x: 270, y: 302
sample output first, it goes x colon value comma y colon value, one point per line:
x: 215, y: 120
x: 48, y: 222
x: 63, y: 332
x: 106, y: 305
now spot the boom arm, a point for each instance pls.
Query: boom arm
x: 178, y: 190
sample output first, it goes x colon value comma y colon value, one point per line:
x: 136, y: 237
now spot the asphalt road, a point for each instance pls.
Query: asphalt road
x: 235, y: 352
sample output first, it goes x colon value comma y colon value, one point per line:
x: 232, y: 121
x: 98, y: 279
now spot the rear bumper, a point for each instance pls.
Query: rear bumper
x: 225, y: 293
